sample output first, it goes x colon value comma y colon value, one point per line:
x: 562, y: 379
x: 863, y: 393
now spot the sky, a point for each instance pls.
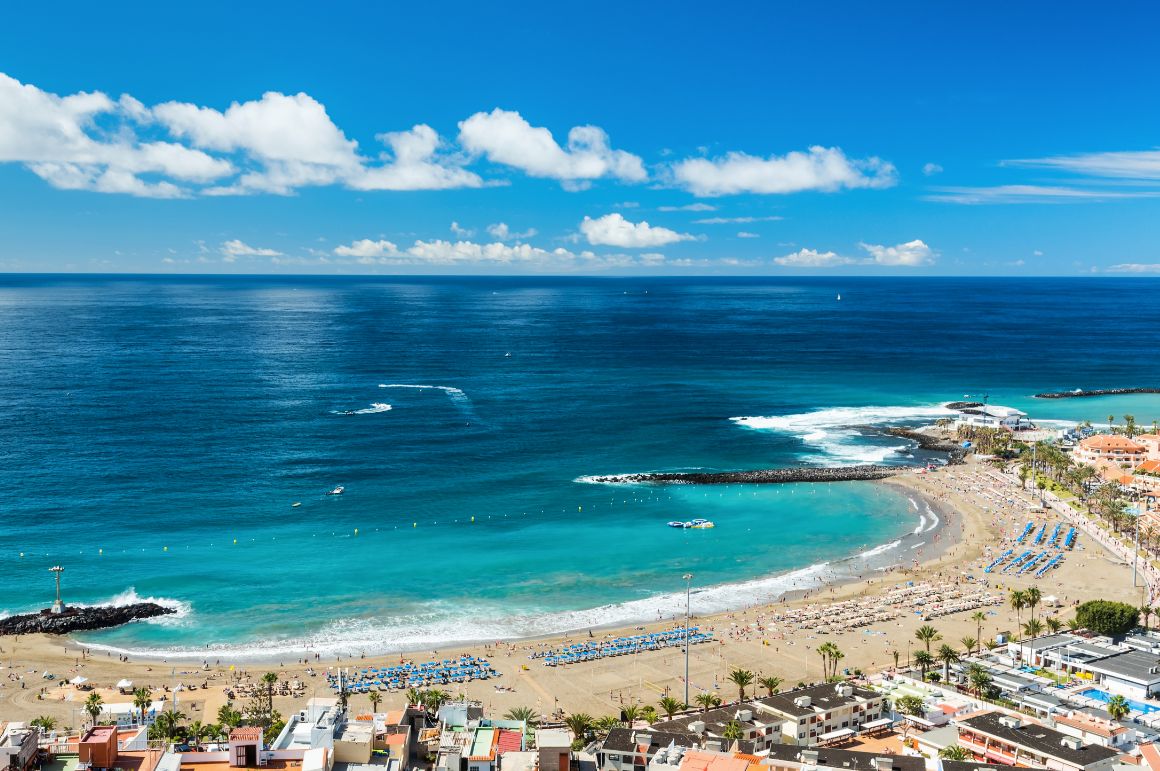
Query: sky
x: 773, y: 138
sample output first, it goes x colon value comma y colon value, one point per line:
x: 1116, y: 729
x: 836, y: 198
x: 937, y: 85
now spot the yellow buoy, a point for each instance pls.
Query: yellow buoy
x: 356, y: 531
x: 414, y: 524
x: 165, y: 548
x: 235, y: 541
x: 473, y: 519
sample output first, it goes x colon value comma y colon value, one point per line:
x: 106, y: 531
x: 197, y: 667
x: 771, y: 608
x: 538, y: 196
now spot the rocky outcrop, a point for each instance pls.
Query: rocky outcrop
x: 962, y: 405
x: 81, y: 619
x: 760, y: 476
x: 931, y: 442
x: 1079, y: 392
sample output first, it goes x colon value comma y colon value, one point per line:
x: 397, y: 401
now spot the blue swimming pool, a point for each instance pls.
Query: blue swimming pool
x: 1105, y: 697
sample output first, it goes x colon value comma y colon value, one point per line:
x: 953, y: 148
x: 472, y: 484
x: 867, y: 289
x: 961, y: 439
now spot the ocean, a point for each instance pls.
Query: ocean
x: 156, y: 432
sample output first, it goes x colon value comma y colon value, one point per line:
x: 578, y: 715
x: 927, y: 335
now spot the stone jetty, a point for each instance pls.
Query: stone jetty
x: 81, y: 619
x: 1079, y: 393
x: 760, y: 476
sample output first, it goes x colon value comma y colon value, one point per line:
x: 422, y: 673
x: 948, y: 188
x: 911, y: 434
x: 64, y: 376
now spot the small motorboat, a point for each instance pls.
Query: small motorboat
x: 681, y: 525
x: 296, y: 504
x: 337, y: 491
x: 701, y: 524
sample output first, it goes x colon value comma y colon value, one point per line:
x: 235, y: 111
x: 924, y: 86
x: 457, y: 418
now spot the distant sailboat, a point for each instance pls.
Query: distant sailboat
x: 839, y: 297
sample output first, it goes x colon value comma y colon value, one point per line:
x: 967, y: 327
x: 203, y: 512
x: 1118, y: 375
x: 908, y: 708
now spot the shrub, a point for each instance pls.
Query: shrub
x: 1107, y: 617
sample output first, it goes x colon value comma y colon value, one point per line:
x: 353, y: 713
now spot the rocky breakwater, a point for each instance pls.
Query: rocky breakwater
x: 931, y: 443
x: 1079, y: 393
x: 759, y: 477
x: 81, y: 619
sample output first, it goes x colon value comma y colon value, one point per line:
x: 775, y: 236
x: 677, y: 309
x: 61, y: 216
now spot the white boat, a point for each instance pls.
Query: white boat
x: 839, y: 297
x: 337, y: 491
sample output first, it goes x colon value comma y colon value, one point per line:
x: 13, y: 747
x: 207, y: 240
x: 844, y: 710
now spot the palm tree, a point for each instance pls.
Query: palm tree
x: 142, y: 700
x: 374, y: 697
x: 1018, y: 602
x: 525, y: 714
x: 579, y: 723
x: 648, y: 713
x: 836, y: 655
x: 707, y: 700
x: 435, y: 698
x: 1147, y: 611
x: 197, y: 731
x: 969, y: 644
x: 670, y: 706
x: 924, y: 660
x: 770, y: 683
x: 1032, y: 596
x: 991, y: 644
x: 631, y: 713
x: 947, y: 655
x: 954, y: 752
x: 742, y: 678
x: 1033, y: 628
x: 927, y: 634
x: 732, y: 731
x: 606, y: 724
x: 1117, y: 707
x: 229, y: 717
x: 979, y: 679
x: 44, y: 723
x: 1053, y: 624
x: 1072, y: 623
x: 1130, y: 425
x: 978, y: 617
x: 1112, y: 423
x: 894, y: 653
x: 414, y: 696
x: 94, y: 705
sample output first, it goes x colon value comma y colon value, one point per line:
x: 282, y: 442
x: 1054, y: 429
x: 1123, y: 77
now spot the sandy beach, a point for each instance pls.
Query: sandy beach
x: 979, y: 508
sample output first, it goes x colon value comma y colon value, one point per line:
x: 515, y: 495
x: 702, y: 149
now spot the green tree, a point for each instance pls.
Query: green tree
x: 44, y: 723
x: 770, y: 683
x: 732, y: 731
x: 648, y: 713
x: 979, y: 679
x: 910, y: 705
x: 631, y: 713
x: 579, y: 723
x: 968, y: 644
x: 1147, y: 612
x: 978, y: 617
x: 927, y: 634
x: 374, y: 697
x: 947, y: 655
x: 1107, y: 617
x: 670, y: 706
x: 924, y: 660
x: 1018, y: 601
x: 1053, y: 624
x: 525, y: 714
x: 742, y: 678
x: 229, y: 717
x: 606, y: 724
x: 93, y: 706
x: 1117, y: 707
x: 954, y: 752
x: 706, y: 701
x: 1033, y: 628
x: 142, y: 699
x: 1032, y: 596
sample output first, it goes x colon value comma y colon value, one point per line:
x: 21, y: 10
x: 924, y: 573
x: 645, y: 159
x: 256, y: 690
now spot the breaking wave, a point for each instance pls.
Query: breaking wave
x: 375, y: 408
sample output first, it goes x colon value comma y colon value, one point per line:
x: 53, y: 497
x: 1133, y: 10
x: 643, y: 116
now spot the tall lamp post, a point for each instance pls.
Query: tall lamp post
x: 688, y: 596
x: 57, y: 605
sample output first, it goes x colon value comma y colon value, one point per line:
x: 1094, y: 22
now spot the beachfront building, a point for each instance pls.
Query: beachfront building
x: 1093, y: 729
x: 791, y: 758
x: 757, y: 728
x: 554, y: 750
x: 1134, y: 674
x: 818, y: 714
x: 626, y: 749
x: 1151, y: 444
x: 18, y: 746
x: 994, y: 416
x: 1112, y: 448
x: 1011, y: 741
x: 470, y: 742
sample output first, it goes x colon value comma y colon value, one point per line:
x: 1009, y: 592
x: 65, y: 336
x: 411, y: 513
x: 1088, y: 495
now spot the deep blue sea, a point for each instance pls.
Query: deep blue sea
x: 155, y: 432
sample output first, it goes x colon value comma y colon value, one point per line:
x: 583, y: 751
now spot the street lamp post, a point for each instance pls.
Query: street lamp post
x: 57, y: 605
x: 688, y: 596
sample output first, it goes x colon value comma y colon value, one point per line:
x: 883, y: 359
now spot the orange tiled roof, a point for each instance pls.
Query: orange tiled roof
x: 1149, y: 467
x: 1110, y: 442
x: 1151, y: 756
x: 701, y: 760
x: 246, y: 733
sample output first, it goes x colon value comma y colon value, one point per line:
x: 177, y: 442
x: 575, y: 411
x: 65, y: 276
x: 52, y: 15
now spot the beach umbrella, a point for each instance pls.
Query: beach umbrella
x: 122, y: 684
x: 79, y: 680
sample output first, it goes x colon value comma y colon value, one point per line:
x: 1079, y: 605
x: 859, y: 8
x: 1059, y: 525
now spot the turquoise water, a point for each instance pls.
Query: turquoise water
x: 150, y: 422
x: 1105, y: 697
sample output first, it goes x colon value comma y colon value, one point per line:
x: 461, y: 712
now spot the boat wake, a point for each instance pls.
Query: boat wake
x: 835, y: 431
x: 456, y: 395
x: 375, y: 408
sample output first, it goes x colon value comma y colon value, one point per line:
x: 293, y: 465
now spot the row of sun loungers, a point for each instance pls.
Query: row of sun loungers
x: 621, y: 646
x: 445, y: 672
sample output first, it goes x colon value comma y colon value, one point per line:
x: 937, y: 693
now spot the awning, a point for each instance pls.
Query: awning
x: 124, y: 684
x: 874, y: 725
x: 79, y: 680
x: 841, y: 733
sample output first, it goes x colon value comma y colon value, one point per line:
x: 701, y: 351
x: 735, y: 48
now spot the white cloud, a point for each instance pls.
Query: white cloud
x: 747, y: 234
x: 735, y: 220
x: 59, y: 139
x: 812, y: 258
x: 502, y: 232
x: 930, y: 169
x: 626, y: 205
x: 1037, y: 253
x: 504, y: 137
x: 614, y: 230
x: 1134, y: 267
x: 1003, y: 194
x: 821, y: 168
x: 415, y: 166
x: 911, y: 254
x: 460, y: 231
x: 1127, y: 164
x: 688, y: 207
x: 232, y: 250
x: 367, y: 248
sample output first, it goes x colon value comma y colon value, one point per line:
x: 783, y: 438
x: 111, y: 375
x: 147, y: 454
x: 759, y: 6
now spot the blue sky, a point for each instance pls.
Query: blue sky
x: 608, y: 138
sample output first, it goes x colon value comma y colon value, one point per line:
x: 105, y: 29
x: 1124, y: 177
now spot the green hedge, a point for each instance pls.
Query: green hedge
x: 1107, y: 617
